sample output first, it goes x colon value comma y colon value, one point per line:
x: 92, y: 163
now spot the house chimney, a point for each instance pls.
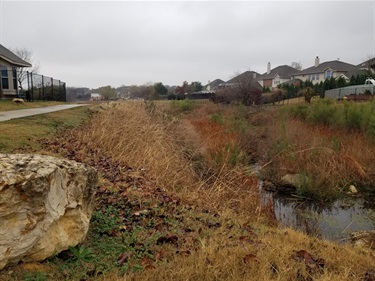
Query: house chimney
x: 316, y: 61
x: 254, y: 75
x: 268, y: 68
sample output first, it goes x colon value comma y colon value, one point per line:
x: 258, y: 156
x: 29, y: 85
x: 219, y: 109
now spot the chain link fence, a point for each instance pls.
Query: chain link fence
x: 357, y: 90
x: 40, y: 87
x: 30, y: 86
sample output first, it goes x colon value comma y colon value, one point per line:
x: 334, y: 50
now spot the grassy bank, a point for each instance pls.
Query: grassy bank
x: 327, y: 144
x: 177, y: 201
x: 345, y: 115
x: 23, y: 134
x: 6, y: 105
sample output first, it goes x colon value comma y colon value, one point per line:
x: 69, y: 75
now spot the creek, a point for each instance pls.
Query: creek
x: 333, y: 221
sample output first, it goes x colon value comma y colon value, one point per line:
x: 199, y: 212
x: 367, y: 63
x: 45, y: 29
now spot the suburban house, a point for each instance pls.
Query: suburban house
x: 322, y: 71
x: 211, y: 86
x: 274, y: 77
x: 368, y: 65
x: 95, y: 96
x: 9, y: 62
x: 245, y: 77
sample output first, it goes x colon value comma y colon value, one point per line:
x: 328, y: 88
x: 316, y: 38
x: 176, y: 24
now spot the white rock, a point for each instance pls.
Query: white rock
x: 45, y: 206
x: 352, y: 189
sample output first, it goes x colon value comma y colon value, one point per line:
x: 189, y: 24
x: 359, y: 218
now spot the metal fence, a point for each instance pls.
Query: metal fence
x: 30, y: 86
x: 341, y: 93
x: 40, y: 87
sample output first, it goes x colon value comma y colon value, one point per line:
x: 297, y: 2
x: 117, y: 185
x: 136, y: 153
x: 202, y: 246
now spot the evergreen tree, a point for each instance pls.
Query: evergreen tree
x: 341, y: 82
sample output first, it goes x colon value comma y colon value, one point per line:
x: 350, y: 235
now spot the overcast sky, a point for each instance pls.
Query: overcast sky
x: 98, y: 43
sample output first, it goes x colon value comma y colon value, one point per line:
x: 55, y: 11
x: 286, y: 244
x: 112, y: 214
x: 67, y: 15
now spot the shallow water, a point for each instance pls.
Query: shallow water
x: 333, y: 221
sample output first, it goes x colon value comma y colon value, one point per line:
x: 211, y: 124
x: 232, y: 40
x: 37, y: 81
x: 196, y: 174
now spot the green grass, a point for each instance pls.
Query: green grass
x: 6, y: 105
x: 123, y: 239
x: 352, y: 116
x: 183, y: 105
x: 23, y: 134
x: 35, y: 276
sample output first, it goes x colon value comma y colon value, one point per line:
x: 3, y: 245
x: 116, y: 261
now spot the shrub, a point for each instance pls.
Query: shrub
x: 217, y: 117
x: 322, y: 112
x: 353, y: 116
x: 299, y: 111
x: 183, y: 105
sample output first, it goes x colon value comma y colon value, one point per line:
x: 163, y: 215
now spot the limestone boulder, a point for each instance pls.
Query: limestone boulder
x: 45, y: 206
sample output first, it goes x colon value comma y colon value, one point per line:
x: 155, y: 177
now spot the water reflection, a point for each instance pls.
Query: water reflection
x: 331, y: 221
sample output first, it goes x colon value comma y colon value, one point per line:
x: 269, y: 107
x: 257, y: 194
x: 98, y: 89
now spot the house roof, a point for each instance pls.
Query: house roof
x: 247, y: 75
x: 12, y: 58
x: 355, y: 72
x: 215, y: 83
x: 334, y: 65
x: 368, y: 64
x: 294, y: 81
x: 284, y: 71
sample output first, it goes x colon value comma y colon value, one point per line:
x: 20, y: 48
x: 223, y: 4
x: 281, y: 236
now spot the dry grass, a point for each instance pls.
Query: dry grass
x: 171, y: 152
x: 328, y: 157
x: 179, y: 153
x: 233, y: 252
x: 126, y: 133
x: 262, y: 255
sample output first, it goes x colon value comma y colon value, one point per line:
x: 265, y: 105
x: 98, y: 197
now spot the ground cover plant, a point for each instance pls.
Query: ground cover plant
x: 177, y: 201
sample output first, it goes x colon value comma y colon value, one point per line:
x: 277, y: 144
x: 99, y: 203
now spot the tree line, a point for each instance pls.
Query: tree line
x: 147, y: 91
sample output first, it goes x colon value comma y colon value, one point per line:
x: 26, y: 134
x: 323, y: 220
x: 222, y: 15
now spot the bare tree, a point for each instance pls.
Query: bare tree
x: 26, y: 55
x: 242, y: 88
x: 248, y: 90
x: 296, y: 65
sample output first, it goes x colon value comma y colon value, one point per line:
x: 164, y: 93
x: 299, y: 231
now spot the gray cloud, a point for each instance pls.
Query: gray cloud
x: 99, y: 43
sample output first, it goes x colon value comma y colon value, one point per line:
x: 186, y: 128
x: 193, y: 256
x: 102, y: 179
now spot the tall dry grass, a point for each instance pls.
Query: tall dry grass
x: 329, y: 160
x: 174, y: 152
x: 178, y: 152
x: 126, y: 133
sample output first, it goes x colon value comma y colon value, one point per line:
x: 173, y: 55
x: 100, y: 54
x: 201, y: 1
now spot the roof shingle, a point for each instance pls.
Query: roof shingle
x: 284, y: 71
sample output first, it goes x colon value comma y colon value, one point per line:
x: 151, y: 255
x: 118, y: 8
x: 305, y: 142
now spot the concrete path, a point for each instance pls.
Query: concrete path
x: 12, y: 114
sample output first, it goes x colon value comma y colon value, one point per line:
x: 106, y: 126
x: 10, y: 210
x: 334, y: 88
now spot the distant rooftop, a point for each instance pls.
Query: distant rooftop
x: 334, y: 65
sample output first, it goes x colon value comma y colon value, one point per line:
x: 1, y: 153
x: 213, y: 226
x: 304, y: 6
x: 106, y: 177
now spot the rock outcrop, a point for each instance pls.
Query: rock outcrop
x: 45, y: 206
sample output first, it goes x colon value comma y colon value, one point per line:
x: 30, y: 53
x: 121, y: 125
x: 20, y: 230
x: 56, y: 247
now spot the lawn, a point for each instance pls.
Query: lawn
x: 6, y: 105
x: 24, y: 134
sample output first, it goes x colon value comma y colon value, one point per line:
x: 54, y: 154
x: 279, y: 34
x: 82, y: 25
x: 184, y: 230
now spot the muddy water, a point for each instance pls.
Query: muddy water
x: 333, y: 221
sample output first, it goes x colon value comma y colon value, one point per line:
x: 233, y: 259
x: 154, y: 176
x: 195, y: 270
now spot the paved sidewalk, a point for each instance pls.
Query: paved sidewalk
x: 12, y: 114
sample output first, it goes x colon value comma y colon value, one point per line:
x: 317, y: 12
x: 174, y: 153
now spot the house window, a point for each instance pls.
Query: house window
x: 328, y: 74
x: 316, y: 76
x: 4, y: 77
